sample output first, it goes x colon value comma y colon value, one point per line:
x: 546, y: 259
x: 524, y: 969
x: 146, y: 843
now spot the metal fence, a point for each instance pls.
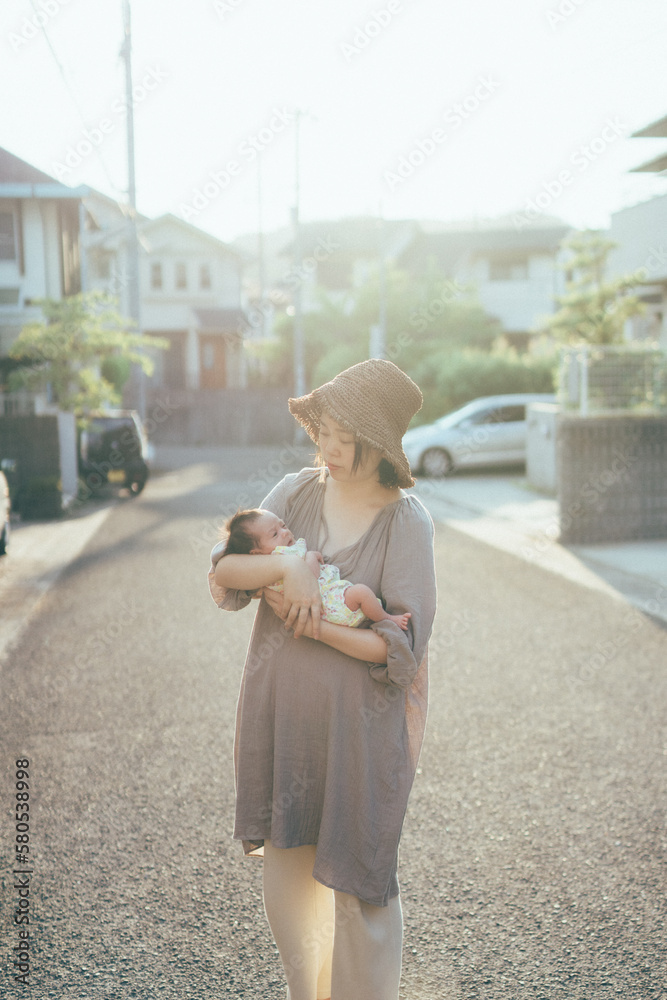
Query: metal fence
x: 603, y: 380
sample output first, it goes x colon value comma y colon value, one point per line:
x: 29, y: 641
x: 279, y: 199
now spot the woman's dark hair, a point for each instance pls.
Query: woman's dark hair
x: 240, y: 539
x: 387, y: 474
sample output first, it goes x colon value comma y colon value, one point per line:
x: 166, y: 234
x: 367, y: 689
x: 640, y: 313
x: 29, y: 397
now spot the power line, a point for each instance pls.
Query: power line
x: 75, y: 101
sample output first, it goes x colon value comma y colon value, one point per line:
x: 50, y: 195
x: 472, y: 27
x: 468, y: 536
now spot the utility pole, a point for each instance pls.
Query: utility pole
x: 299, y: 365
x: 299, y: 368
x: 378, y: 332
x: 261, y: 264
x: 134, y: 293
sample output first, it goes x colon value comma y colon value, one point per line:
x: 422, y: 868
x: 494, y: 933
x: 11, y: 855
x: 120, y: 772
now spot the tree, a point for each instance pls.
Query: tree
x: 592, y: 310
x: 82, y: 351
x: 424, y: 317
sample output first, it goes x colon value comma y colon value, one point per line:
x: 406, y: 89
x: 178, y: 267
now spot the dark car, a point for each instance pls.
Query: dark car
x: 113, y: 450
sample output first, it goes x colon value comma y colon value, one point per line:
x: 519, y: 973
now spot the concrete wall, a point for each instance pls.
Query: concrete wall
x: 612, y: 478
x: 33, y: 443
x: 541, y: 431
x: 69, y: 466
x: 220, y: 417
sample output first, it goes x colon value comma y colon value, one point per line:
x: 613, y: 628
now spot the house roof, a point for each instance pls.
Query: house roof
x: 359, y: 236
x: 95, y: 202
x: 657, y: 166
x: 450, y: 247
x: 19, y: 179
x: 194, y: 230
x: 655, y: 129
x: 147, y: 228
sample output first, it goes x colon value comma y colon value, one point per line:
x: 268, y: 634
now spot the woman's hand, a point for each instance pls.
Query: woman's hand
x: 275, y: 602
x: 301, y: 602
x: 361, y: 643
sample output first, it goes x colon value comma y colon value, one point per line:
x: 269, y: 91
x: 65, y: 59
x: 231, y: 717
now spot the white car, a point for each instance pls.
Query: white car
x: 488, y: 431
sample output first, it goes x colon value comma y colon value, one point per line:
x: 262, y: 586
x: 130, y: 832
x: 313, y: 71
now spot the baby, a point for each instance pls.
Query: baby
x: 259, y: 532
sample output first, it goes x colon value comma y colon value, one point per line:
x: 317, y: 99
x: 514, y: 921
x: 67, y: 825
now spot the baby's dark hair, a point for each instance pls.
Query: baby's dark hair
x: 237, y: 531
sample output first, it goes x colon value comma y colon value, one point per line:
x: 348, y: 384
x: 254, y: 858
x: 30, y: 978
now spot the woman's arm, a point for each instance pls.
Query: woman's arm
x: 361, y: 643
x: 408, y: 584
x: 301, y: 592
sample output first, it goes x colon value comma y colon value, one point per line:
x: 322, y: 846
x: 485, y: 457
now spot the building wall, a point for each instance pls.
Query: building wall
x: 521, y: 302
x: 42, y: 267
x: 639, y: 232
x: 40, y: 238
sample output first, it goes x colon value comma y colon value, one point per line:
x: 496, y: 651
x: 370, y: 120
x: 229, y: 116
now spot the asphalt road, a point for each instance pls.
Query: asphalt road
x: 533, y: 854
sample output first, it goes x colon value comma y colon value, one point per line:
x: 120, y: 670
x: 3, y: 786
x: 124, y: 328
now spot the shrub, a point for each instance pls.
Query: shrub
x: 448, y: 380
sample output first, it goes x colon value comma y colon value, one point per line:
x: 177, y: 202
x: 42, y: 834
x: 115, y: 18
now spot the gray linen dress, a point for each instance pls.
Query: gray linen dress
x: 326, y: 745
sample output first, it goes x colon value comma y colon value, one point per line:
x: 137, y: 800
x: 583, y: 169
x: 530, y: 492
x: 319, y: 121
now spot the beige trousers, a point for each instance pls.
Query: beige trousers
x: 331, y: 944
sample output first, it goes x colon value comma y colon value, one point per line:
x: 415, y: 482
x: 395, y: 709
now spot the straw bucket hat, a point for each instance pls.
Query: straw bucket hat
x: 374, y: 400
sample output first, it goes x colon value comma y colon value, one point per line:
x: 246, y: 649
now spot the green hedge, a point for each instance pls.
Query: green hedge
x: 448, y: 380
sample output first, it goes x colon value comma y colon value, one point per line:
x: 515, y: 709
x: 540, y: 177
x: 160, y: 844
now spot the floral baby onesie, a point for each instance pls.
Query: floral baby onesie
x: 332, y: 588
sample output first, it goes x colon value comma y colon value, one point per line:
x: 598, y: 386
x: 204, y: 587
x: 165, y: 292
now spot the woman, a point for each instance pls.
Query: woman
x: 330, y: 719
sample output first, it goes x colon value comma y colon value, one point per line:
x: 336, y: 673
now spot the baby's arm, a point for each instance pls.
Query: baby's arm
x: 358, y: 595
x: 313, y: 561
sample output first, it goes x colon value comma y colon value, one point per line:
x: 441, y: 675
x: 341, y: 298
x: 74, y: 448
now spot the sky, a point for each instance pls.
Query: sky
x: 412, y: 109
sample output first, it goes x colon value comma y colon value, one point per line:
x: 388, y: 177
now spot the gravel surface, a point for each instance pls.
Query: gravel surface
x: 532, y: 860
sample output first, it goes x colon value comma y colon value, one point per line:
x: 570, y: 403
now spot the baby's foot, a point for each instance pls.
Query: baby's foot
x: 401, y: 620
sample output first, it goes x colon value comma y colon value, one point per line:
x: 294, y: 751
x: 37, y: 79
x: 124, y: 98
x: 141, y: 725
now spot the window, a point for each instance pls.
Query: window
x: 156, y: 275
x: 7, y: 236
x: 181, y: 275
x: 485, y: 417
x: 205, y: 276
x: 510, y: 414
x: 508, y: 270
x: 500, y: 415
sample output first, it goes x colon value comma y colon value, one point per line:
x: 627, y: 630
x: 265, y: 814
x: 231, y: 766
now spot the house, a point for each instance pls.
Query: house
x: 339, y: 256
x: 56, y: 241
x: 190, y: 293
x: 40, y: 240
x: 514, y: 271
x: 656, y: 130
x: 640, y: 234
x: 335, y: 256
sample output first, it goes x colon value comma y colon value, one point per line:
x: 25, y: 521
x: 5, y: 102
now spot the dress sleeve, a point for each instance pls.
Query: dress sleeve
x: 234, y: 600
x: 408, y: 584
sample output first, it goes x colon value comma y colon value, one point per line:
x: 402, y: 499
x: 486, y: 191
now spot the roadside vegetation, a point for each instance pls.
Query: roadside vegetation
x: 436, y: 330
x: 81, y: 353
